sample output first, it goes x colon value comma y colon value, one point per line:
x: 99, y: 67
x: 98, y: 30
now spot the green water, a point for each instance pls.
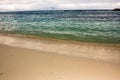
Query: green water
x: 87, y: 25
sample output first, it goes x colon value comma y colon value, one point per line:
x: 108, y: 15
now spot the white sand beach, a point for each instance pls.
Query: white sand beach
x: 20, y: 59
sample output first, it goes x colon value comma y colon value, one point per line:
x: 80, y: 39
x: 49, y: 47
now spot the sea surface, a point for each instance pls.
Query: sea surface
x: 102, y: 26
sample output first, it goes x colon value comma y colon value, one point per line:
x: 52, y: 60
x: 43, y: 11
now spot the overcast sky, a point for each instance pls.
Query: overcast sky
x: 11, y: 5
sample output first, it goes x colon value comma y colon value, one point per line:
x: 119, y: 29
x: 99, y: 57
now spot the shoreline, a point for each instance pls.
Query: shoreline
x: 96, y: 51
x: 59, y: 40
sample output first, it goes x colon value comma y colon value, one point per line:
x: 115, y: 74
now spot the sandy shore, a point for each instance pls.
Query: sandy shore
x: 102, y: 52
x: 27, y: 64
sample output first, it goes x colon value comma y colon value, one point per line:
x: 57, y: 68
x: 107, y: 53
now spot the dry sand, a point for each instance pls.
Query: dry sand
x: 45, y: 59
x: 27, y: 64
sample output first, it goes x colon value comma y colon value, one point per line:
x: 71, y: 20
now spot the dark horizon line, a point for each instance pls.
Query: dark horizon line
x: 57, y: 10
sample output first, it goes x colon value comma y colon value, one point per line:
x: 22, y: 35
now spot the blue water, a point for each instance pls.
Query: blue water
x: 81, y: 25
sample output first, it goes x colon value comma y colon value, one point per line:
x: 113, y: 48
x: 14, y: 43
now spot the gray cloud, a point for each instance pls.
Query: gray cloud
x: 57, y: 4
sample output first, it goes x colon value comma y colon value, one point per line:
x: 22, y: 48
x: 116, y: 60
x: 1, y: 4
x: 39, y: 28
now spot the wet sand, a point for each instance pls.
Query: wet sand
x: 96, y: 51
x: 27, y: 64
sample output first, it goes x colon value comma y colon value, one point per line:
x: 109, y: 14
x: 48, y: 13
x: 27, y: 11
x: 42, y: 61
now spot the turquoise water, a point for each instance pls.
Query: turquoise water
x: 81, y: 25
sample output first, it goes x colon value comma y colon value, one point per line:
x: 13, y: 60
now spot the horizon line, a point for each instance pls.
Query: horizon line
x: 52, y: 10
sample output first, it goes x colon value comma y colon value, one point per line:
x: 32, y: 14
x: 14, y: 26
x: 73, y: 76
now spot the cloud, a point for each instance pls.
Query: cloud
x: 12, y: 5
x: 89, y: 6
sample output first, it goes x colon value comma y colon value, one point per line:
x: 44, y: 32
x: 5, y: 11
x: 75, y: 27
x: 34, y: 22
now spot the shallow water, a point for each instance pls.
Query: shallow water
x: 81, y: 25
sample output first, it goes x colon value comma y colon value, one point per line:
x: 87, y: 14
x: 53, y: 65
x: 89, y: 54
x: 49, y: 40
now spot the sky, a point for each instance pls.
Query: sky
x: 16, y: 5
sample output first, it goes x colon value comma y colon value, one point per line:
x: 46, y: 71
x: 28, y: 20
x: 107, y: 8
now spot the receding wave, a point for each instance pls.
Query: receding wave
x: 103, y: 52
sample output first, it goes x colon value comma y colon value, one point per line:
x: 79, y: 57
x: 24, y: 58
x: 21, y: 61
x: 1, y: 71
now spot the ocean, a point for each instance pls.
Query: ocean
x: 101, y: 26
